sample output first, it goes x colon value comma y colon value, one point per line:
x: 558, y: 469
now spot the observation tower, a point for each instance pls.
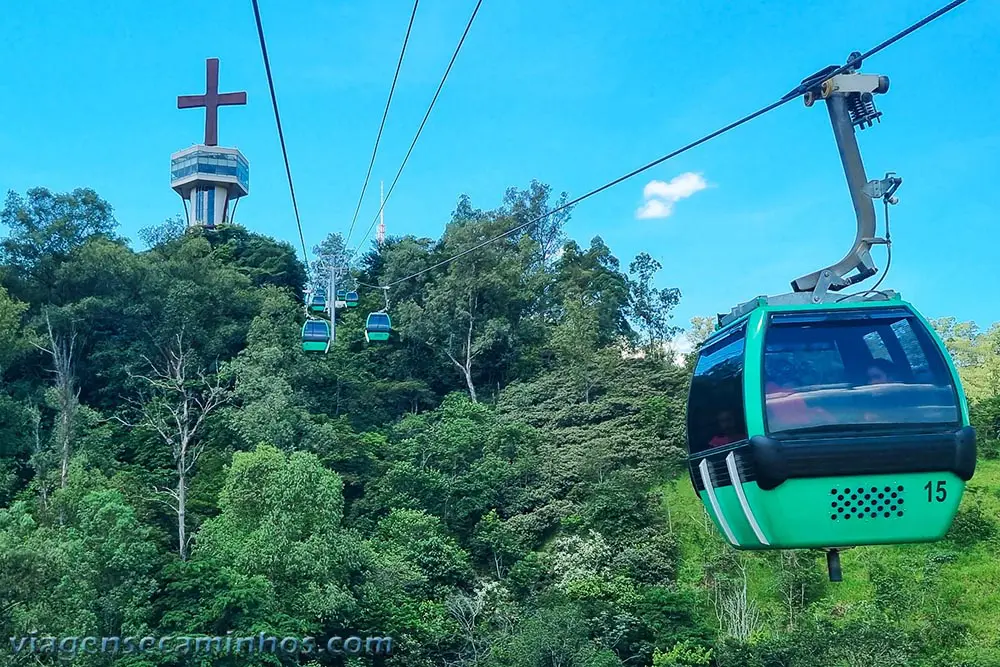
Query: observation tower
x: 208, y: 176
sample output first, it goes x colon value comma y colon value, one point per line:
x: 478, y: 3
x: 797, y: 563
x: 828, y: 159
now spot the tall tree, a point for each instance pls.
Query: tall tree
x: 182, y: 399
x: 648, y: 306
x: 279, y: 542
x: 575, y: 340
x: 262, y: 259
x: 330, y: 253
x: 13, y: 339
x: 169, y: 230
x: 472, y: 312
x: 525, y: 206
x: 593, y: 279
x: 976, y: 353
x: 701, y: 329
x: 66, y: 394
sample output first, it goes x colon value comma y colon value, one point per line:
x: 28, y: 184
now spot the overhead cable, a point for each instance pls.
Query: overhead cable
x: 791, y: 95
x: 281, y: 135
x: 385, y: 114
x: 420, y: 129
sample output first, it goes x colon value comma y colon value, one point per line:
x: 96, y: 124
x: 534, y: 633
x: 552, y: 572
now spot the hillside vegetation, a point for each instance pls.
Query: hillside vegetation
x: 499, y: 485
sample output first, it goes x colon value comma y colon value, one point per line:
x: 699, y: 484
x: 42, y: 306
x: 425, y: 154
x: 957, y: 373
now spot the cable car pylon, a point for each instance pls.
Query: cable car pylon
x: 319, y: 335
x: 818, y: 421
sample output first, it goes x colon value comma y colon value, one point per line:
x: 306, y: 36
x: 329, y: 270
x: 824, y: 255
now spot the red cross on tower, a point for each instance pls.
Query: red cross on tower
x: 211, y: 100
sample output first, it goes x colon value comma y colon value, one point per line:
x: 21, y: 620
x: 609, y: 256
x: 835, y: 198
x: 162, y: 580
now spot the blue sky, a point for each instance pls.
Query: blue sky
x: 573, y: 98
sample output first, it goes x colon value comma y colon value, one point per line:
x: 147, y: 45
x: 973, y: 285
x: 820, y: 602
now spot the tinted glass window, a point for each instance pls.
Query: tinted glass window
x: 870, y: 370
x: 715, y: 405
x: 316, y: 330
x: 379, y: 322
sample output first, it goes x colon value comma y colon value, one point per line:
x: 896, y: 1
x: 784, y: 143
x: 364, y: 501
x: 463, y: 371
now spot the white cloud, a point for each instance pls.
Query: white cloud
x: 679, y: 187
x: 654, y: 208
x: 662, y: 195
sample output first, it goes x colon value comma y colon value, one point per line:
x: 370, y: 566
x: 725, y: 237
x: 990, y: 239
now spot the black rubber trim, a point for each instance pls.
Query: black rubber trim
x: 965, y: 453
x: 777, y: 461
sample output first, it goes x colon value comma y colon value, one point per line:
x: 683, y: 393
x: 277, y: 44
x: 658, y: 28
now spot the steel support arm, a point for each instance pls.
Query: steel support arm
x: 849, y: 101
x: 859, y: 257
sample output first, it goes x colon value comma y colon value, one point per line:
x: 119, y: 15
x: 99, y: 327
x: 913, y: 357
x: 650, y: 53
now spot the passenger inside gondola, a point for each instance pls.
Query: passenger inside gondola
x: 787, y: 407
x: 881, y: 371
x: 716, y: 412
x: 878, y: 372
x: 728, y: 430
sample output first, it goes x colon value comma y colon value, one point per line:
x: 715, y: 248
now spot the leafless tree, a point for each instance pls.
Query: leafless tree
x: 792, y: 588
x: 60, y: 348
x: 466, y: 352
x: 461, y: 348
x: 181, y: 400
x: 466, y: 609
x: 738, y: 615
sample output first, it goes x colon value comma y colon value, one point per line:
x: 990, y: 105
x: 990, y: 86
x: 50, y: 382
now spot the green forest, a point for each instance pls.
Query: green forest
x: 501, y: 484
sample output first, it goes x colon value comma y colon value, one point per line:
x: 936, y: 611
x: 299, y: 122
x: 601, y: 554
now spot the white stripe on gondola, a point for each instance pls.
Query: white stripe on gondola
x: 713, y: 501
x: 734, y: 476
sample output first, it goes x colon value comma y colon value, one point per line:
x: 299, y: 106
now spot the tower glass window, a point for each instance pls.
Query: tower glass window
x: 199, y: 205
x: 205, y: 162
x: 210, y: 217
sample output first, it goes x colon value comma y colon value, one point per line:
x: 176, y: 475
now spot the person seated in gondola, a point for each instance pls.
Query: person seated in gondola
x: 787, y: 408
x: 728, y: 432
x: 881, y: 371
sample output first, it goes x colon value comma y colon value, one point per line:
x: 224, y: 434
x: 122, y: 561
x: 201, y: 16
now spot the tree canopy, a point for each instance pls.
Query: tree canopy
x: 501, y: 484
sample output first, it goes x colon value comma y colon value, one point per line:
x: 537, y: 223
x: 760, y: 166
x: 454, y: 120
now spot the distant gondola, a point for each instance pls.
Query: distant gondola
x: 378, y: 327
x: 317, y: 301
x: 316, y: 336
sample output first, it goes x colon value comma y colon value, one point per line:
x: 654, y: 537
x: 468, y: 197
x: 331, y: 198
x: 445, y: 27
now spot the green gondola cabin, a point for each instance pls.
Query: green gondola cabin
x: 828, y: 425
x: 317, y: 301
x: 825, y: 421
x: 351, y: 298
x: 378, y: 327
x: 316, y: 336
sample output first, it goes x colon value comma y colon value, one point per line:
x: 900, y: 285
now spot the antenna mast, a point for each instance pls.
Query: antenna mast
x: 380, y: 234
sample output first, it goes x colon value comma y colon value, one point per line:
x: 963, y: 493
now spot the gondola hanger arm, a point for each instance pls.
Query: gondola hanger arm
x: 849, y: 97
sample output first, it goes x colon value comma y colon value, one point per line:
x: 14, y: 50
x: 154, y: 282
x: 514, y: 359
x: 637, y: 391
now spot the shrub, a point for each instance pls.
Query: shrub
x: 972, y: 524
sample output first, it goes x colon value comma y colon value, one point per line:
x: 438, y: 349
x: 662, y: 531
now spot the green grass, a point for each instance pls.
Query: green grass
x: 959, y: 579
